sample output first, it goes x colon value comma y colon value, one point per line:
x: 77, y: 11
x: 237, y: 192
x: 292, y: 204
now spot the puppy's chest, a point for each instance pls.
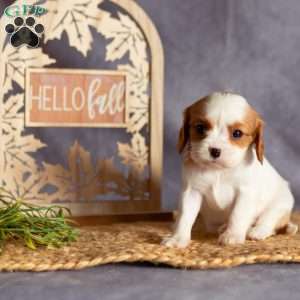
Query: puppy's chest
x: 217, y: 189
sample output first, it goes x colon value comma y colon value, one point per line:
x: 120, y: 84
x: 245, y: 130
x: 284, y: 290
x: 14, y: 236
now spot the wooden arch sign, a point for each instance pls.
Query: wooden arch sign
x: 39, y: 95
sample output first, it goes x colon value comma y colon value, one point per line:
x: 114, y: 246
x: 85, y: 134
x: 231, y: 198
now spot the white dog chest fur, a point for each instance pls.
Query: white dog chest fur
x: 215, y: 185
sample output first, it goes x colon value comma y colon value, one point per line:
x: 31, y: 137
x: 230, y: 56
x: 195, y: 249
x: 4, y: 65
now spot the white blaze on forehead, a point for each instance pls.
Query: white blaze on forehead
x: 226, y: 108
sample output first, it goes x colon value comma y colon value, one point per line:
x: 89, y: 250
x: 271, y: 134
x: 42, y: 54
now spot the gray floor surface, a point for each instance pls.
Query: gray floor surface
x: 143, y: 282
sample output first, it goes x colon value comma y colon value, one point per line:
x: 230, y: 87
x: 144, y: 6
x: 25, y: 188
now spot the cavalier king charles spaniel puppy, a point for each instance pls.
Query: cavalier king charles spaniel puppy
x: 225, y: 175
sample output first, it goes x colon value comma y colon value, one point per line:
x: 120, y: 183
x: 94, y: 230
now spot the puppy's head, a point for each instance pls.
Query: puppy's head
x: 219, y: 130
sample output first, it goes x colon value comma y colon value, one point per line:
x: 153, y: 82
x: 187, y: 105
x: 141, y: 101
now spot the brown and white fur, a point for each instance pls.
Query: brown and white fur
x: 234, y: 187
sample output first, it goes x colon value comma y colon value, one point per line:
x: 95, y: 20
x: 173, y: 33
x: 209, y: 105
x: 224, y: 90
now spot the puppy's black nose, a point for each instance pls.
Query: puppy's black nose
x: 215, y: 152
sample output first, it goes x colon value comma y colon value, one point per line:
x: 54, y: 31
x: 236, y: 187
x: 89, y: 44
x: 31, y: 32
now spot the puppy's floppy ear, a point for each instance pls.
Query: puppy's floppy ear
x: 184, y: 131
x: 259, y: 139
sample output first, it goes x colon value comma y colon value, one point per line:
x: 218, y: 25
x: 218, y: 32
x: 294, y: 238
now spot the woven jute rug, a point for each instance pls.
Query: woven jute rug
x: 140, y: 242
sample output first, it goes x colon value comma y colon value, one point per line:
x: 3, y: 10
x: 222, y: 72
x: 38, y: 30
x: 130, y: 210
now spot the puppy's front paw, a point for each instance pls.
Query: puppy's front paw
x: 230, y: 238
x: 175, y: 241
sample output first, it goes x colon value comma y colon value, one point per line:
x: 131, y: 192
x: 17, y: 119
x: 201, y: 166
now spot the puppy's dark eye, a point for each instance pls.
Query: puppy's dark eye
x: 201, y: 128
x: 237, y: 134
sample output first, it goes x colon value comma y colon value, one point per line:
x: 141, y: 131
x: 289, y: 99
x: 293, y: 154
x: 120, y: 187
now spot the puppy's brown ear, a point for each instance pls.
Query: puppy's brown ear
x: 184, y: 132
x: 259, y: 139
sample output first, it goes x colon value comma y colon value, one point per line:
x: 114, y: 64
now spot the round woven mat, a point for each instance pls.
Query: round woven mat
x: 140, y: 242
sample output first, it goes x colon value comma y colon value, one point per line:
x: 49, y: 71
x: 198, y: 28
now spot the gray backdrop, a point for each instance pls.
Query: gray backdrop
x: 248, y: 46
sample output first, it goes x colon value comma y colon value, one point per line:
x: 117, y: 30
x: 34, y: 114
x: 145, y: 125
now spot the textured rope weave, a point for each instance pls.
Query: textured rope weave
x: 140, y: 242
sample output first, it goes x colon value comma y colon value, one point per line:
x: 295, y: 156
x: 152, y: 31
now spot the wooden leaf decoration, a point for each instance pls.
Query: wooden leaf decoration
x: 110, y: 179
x: 138, y: 118
x: 12, y: 117
x: 126, y: 37
x: 74, y: 17
x: 17, y: 151
x: 60, y: 178
x: 26, y: 186
x: 84, y: 182
x: 138, y: 97
x: 80, y: 163
x: 78, y: 182
x: 14, y: 61
x: 136, y: 154
x: 138, y: 76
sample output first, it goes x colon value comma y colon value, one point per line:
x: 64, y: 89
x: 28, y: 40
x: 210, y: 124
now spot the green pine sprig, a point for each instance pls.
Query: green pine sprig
x: 35, y: 225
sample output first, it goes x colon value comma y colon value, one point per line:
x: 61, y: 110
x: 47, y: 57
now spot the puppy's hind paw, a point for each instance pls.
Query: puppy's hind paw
x: 175, y: 241
x: 291, y: 228
x: 259, y: 233
x: 229, y: 238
